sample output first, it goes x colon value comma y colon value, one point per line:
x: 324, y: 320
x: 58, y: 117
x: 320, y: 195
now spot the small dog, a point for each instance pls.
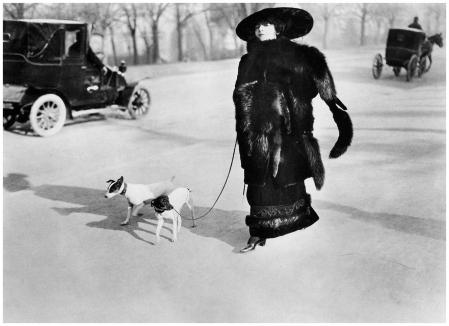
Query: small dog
x: 169, y: 207
x: 138, y: 195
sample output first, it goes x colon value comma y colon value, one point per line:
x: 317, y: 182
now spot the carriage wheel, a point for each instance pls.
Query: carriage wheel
x: 411, y: 67
x: 397, y: 71
x: 377, y: 66
x: 422, y: 66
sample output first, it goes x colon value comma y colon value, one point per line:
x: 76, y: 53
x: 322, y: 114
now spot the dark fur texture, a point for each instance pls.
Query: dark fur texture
x: 275, y: 86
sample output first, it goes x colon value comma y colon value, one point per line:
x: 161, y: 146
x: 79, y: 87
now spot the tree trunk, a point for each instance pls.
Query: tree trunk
x: 362, y: 26
x: 114, y: 50
x: 201, y: 42
x: 211, y: 36
x: 135, y: 53
x: 326, y: 30
x: 179, y: 32
x: 155, y: 34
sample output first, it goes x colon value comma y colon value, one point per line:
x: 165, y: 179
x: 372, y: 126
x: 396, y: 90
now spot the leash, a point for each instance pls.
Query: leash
x: 219, y: 195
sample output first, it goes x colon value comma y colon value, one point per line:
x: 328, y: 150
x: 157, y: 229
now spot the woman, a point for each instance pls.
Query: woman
x: 277, y: 80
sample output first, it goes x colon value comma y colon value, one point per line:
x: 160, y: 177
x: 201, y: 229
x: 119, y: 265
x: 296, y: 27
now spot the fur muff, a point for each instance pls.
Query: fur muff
x: 261, y: 113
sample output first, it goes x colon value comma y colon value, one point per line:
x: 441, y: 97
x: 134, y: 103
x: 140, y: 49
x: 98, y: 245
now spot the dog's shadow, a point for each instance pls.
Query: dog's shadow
x: 226, y: 226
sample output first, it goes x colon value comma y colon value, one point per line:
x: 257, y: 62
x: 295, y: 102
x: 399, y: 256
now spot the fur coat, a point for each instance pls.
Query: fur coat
x: 276, y: 82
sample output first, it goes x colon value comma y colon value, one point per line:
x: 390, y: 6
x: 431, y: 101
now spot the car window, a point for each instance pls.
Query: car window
x: 74, y: 44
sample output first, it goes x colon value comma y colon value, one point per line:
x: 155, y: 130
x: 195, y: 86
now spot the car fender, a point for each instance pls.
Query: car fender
x: 18, y: 95
x: 125, y: 94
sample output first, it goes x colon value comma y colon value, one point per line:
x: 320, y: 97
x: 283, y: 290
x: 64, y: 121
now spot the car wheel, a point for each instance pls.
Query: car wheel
x: 47, y: 115
x: 139, y: 103
x: 8, y: 119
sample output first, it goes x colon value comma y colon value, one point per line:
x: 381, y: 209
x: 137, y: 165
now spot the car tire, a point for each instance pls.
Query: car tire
x: 48, y: 115
x: 139, y: 103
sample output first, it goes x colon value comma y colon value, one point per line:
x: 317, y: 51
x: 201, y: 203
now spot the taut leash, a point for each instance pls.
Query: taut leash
x: 218, y: 197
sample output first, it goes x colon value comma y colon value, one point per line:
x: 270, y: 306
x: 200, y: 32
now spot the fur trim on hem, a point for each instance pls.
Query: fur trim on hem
x: 272, y: 228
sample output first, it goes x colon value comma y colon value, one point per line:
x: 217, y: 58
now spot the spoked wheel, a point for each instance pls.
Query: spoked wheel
x: 412, y: 67
x: 422, y: 66
x: 8, y: 119
x: 47, y: 115
x: 397, y: 71
x: 377, y: 66
x: 139, y: 103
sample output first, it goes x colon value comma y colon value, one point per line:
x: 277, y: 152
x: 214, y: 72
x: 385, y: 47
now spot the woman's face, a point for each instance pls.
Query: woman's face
x: 265, y: 31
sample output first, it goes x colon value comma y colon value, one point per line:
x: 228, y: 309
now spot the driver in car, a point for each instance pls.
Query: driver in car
x: 75, y: 51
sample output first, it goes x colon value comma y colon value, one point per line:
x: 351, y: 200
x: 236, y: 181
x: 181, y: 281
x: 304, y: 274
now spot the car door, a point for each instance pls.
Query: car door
x: 80, y: 80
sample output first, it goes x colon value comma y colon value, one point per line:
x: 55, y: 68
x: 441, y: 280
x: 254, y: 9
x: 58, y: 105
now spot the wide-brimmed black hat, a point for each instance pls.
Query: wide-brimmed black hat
x: 298, y: 22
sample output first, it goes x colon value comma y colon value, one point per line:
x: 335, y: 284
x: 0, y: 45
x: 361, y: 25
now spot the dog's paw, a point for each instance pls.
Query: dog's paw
x: 124, y: 223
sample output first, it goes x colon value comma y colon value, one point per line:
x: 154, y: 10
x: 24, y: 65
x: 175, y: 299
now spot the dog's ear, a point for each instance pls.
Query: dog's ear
x: 110, y: 181
x: 120, y: 179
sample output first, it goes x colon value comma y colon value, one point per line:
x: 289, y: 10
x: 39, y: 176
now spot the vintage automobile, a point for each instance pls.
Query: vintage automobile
x: 404, y: 50
x: 50, y: 74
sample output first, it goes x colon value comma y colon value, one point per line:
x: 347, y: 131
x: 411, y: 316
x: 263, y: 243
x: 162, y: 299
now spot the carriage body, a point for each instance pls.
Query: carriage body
x: 402, y: 44
x: 403, y: 50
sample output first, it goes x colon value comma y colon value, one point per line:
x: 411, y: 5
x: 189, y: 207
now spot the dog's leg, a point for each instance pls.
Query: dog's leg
x: 160, y: 221
x: 179, y: 222
x: 128, y: 215
x: 174, y: 217
x: 136, y: 209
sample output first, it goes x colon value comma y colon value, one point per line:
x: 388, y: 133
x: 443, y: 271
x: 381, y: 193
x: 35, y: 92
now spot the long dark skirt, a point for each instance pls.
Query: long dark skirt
x: 277, y: 210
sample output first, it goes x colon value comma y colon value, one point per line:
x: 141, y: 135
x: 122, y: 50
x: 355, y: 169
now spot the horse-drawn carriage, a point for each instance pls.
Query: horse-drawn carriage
x: 407, y: 48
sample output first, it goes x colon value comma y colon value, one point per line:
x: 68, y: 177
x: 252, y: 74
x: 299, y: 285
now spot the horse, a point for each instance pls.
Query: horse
x: 427, y: 48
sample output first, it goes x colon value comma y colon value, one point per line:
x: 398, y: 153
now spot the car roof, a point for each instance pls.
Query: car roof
x: 49, y: 21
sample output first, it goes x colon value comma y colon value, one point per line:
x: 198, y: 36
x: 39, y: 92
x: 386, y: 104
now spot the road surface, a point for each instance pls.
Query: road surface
x: 377, y: 254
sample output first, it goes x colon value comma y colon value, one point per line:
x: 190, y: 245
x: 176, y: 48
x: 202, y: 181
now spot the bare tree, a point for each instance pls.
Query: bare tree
x: 197, y: 31
x: 154, y: 12
x: 19, y: 10
x: 361, y: 10
x: 435, y: 12
x: 183, y: 12
x: 325, y: 11
x: 131, y: 13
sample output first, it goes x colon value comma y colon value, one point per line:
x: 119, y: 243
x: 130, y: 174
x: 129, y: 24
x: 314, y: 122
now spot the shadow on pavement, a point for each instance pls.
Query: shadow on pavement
x: 226, y: 226
x: 14, y: 182
x: 425, y: 227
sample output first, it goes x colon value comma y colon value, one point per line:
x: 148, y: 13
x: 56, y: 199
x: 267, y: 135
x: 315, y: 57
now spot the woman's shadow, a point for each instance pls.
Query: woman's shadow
x: 226, y: 226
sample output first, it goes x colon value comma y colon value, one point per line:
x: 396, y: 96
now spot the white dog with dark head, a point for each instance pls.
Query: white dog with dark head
x: 138, y: 195
x: 169, y: 207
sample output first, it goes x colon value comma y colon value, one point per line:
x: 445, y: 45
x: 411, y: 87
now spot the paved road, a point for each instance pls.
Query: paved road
x: 377, y: 253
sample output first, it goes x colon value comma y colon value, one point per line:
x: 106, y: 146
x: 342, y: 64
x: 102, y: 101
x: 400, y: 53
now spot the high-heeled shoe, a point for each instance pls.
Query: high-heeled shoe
x: 252, y: 244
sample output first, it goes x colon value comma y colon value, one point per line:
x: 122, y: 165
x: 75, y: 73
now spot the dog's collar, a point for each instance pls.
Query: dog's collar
x: 124, y: 189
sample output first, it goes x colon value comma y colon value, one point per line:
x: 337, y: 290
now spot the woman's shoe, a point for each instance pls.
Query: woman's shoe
x: 252, y: 244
